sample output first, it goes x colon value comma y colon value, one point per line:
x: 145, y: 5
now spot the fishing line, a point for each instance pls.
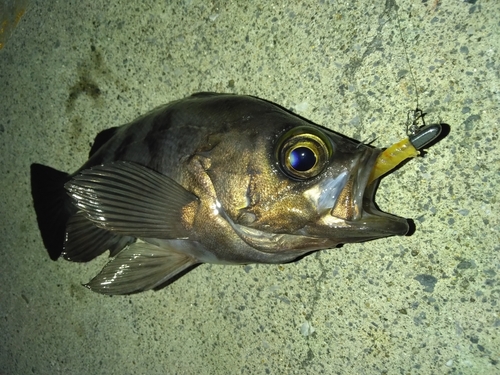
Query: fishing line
x: 416, y: 115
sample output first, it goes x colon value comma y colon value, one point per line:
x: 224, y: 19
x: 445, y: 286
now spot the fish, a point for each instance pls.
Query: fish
x: 214, y: 178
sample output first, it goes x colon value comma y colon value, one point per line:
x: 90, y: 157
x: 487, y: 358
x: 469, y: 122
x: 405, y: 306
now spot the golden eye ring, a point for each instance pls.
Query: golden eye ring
x: 303, y: 153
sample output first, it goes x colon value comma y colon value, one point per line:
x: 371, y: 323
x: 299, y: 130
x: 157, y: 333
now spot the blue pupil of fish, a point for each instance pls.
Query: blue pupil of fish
x: 302, y: 159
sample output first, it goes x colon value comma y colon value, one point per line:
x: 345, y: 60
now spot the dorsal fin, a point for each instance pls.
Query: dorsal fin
x: 101, y: 139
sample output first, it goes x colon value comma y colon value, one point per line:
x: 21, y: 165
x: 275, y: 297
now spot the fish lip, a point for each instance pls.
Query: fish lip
x: 382, y: 223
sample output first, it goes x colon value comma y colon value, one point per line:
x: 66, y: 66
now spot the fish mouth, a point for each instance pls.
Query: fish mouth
x: 355, y: 216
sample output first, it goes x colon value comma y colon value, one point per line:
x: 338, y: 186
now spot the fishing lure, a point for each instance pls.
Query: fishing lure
x: 407, y: 148
x: 419, y: 134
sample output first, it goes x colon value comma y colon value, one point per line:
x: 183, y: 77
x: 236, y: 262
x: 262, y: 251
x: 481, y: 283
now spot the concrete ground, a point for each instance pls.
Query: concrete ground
x: 424, y: 304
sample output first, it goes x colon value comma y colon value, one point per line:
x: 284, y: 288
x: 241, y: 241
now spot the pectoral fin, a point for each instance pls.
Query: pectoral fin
x: 131, y: 200
x: 141, y: 266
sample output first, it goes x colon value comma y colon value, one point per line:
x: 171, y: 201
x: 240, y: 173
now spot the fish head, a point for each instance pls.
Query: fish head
x: 286, y: 184
x: 330, y: 175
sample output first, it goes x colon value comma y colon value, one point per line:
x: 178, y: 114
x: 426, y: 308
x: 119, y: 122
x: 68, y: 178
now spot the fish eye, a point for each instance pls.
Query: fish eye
x: 302, y: 158
x: 303, y: 152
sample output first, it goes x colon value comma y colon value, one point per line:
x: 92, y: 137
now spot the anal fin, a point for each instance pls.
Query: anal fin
x: 141, y: 266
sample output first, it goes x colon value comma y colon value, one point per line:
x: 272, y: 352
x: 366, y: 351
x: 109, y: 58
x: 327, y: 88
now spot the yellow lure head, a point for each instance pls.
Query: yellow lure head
x: 407, y: 148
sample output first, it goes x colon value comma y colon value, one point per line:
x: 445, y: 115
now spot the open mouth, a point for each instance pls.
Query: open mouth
x: 356, y: 202
x: 355, y: 212
x: 385, y: 162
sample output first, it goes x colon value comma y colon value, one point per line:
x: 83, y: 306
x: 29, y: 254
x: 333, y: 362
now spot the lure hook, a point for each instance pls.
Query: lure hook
x: 414, y: 120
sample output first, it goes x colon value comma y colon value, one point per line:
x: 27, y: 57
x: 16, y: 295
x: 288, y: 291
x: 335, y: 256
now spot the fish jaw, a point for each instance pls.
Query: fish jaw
x: 346, y: 204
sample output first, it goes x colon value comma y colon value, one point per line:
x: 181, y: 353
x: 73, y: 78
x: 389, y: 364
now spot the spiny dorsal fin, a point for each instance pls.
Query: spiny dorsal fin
x: 101, y: 138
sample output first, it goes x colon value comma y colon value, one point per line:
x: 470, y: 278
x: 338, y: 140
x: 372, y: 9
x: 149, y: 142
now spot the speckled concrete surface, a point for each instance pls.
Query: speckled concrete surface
x: 425, y: 304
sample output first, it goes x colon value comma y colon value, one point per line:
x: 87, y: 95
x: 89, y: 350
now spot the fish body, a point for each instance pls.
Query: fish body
x: 212, y: 178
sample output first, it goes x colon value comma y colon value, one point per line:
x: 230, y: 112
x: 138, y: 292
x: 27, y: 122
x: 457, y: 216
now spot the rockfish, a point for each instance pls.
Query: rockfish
x: 214, y: 178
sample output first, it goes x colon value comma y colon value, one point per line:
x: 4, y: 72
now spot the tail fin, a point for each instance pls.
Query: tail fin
x: 52, y: 206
